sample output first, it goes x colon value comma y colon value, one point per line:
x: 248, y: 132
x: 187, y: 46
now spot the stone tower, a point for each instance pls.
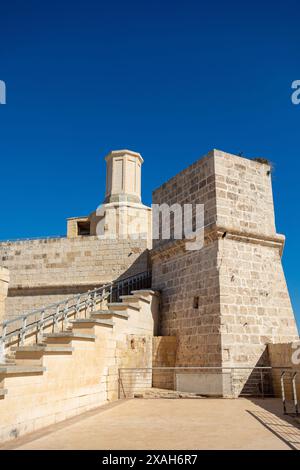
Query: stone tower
x: 122, y: 215
x: 226, y: 301
x: 123, y: 176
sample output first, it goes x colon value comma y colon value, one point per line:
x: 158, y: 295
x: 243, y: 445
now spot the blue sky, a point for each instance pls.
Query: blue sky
x: 170, y: 79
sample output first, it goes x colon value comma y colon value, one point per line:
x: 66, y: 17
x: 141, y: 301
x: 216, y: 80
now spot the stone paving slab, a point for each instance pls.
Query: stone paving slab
x: 172, y: 424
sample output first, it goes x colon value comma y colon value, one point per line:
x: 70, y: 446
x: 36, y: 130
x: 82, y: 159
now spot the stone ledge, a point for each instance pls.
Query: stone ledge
x: 20, y: 370
x: 214, y: 232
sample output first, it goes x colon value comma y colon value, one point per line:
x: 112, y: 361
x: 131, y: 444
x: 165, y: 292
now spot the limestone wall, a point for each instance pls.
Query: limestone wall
x: 254, y: 301
x: 49, y: 270
x: 183, y: 276
x: 194, y: 185
x: 164, y: 355
x: 244, y: 199
x: 4, y: 282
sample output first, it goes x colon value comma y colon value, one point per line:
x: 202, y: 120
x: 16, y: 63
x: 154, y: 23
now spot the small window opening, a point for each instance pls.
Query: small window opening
x: 196, y: 302
x: 83, y: 228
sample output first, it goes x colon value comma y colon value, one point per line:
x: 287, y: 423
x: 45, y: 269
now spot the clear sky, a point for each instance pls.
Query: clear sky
x: 168, y: 79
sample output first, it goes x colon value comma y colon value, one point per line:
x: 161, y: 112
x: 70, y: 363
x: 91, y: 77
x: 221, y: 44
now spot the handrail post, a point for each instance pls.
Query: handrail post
x: 87, y: 303
x: 232, y: 381
x: 103, y: 297
x: 65, y: 315
x: 56, y: 316
x: 295, y: 393
x: 283, y: 392
x: 77, y: 307
x: 2, y: 343
x: 40, y: 328
x: 23, y: 331
x: 93, y: 302
x: 262, y: 383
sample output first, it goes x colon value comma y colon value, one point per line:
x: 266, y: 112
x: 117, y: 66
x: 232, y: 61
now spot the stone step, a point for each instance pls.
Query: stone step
x: 91, y: 322
x: 67, y: 336
x: 21, y: 370
x: 42, y: 348
x: 109, y: 314
x: 134, y: 298
x: 144, y: 292
x: 123, y: 306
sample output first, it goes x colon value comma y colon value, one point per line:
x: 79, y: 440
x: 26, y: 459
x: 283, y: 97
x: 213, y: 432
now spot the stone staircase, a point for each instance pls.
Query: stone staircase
x: 68, y: 372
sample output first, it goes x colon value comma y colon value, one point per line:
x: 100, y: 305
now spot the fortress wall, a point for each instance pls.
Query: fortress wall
x: 49, y: 270
x: 244, y: 197
x: 254, y: 301
x: 194, y: 185
x: 183, y: 277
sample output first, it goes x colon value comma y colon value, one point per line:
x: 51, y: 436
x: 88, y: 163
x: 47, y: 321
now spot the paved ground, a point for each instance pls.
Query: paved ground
x: 172, y: 424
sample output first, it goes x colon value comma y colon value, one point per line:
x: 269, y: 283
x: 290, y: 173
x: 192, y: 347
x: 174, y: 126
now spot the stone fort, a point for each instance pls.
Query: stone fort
x: 225, y: 305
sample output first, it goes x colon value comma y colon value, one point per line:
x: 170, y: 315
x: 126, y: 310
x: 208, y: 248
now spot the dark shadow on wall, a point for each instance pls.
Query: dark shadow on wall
x: 259, y: 382
x: 140, y: 265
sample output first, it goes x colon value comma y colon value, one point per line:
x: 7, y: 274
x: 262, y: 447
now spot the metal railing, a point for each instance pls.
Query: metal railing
x: 289, y: 378
x: 55, y: 316
x: 127, y: 285
x: 198, y: 381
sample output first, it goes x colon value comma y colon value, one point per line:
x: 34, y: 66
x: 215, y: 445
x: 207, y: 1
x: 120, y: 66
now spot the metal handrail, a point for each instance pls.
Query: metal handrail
x: 134, y: 378
x: 126, y: 285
